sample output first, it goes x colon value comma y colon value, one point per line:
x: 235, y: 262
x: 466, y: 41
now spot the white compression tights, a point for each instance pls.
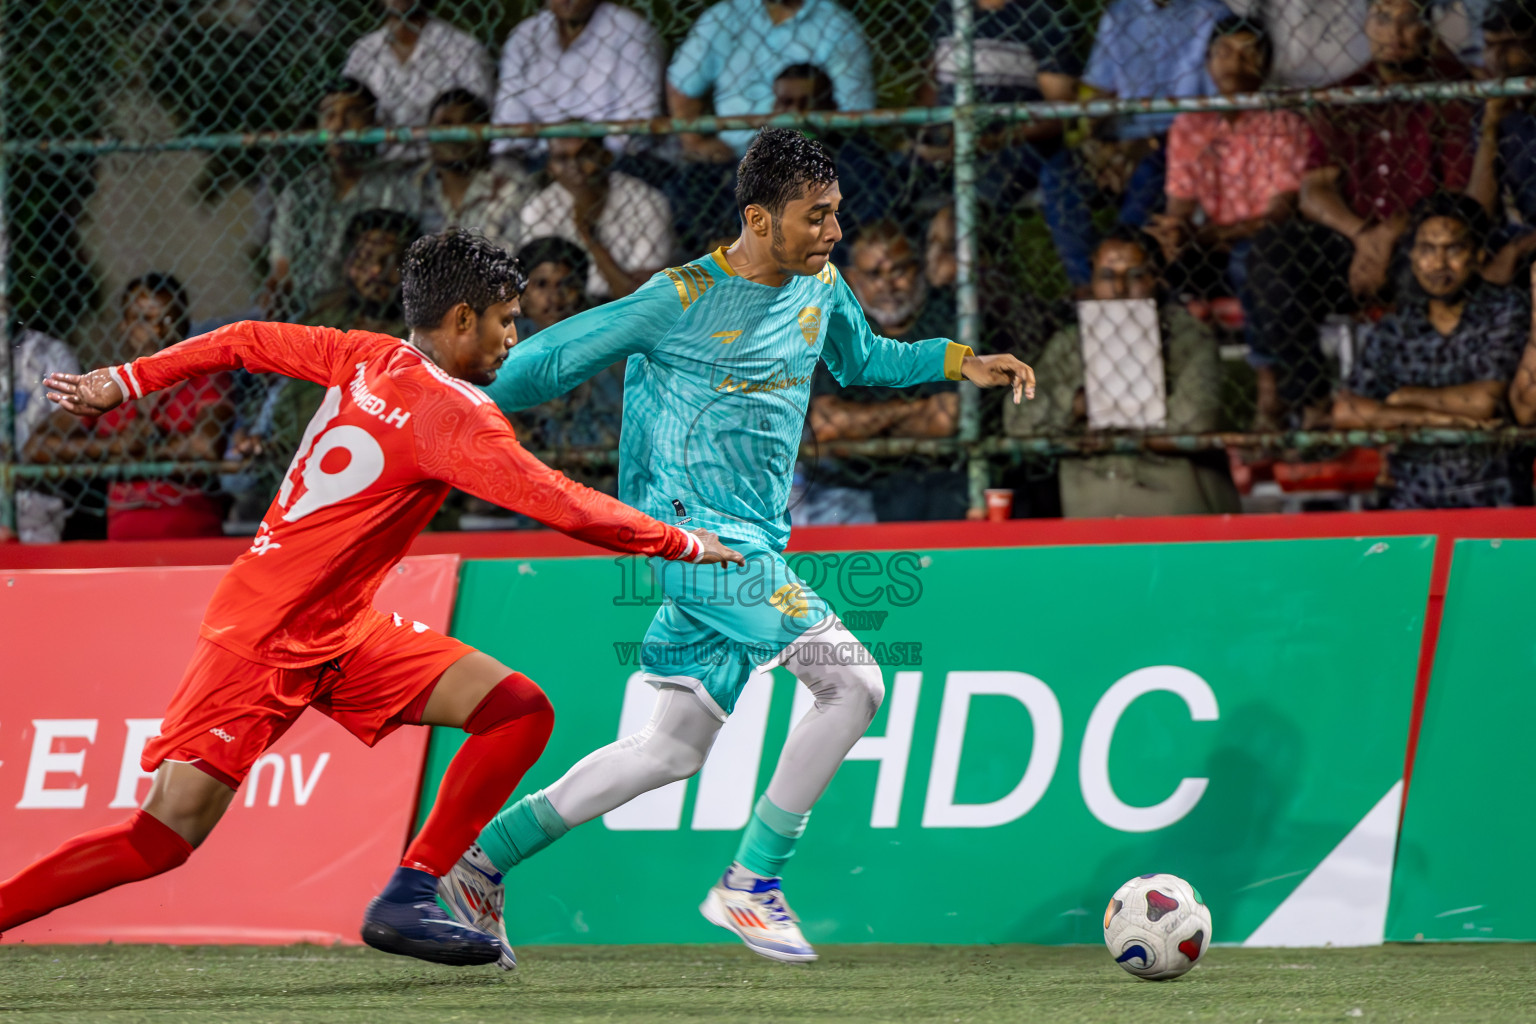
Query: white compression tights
x: 682, y: 729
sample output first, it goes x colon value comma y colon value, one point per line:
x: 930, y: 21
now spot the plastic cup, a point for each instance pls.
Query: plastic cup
x: 999, y: 504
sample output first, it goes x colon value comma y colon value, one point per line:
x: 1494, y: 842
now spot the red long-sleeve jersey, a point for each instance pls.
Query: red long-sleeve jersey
x: 393, y: 434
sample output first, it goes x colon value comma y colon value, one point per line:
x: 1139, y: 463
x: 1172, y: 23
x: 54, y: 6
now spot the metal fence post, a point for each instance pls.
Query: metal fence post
x: 8, y: 413
x: 965, y: 237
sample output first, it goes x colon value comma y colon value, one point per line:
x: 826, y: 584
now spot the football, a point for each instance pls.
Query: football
x: 1157, y: 927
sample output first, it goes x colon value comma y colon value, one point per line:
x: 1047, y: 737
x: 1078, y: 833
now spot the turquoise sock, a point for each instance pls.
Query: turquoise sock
x: 770, y: 838
x: 522, y: 830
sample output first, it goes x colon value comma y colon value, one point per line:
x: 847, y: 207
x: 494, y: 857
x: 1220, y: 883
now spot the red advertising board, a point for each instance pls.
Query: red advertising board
x: 88, y: 660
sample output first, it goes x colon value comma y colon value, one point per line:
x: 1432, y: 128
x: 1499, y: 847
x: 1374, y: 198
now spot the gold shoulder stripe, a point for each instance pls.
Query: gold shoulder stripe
x: 828, y: 274
x: 706, y: 279
x: 684, y: 294
x: 691, y: 282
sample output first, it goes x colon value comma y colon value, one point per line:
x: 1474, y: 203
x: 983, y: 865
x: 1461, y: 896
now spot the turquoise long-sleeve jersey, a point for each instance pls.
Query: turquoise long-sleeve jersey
x: 717, y: 383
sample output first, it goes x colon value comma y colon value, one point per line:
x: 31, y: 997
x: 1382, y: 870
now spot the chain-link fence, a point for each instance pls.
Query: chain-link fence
x: 1220, y: 280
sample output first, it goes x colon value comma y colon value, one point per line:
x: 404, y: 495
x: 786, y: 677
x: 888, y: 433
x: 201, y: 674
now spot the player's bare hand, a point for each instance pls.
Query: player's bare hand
x: 995, y: 371
x: 84, y: 394
x: 714, y: 551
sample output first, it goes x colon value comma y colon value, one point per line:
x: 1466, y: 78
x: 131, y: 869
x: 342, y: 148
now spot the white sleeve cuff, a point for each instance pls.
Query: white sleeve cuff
x: 695, y: 550
x: 116, y: 373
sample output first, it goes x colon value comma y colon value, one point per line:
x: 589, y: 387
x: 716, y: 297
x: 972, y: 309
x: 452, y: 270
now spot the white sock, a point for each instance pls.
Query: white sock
x: 672, y: 746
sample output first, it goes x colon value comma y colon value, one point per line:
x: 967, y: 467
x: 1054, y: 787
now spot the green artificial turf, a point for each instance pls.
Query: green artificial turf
x: 1062, y: 985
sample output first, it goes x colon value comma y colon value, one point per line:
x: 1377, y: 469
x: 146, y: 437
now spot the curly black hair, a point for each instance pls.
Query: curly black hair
x: 780, y: 165
x: 440, y: 271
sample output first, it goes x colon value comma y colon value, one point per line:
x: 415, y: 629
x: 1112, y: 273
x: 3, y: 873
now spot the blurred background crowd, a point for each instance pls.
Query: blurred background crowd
x: 1233, y: 290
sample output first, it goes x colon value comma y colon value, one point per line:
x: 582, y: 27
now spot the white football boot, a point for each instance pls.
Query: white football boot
x: 472, y: 892
x: 753, y: 907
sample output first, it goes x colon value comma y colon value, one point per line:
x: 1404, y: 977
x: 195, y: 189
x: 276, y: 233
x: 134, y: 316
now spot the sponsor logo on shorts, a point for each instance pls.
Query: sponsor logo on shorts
x: 790, y: 599
x: 221, y: 734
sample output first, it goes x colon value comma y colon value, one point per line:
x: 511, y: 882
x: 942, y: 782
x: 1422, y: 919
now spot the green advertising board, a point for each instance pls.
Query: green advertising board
x: 1466, y: 844
x: 1057, y: 720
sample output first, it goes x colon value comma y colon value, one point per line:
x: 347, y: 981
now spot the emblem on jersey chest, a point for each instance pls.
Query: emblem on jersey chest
x: 810, y: 323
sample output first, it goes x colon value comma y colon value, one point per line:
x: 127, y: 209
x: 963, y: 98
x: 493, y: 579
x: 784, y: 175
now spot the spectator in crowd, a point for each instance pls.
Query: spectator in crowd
x: 274, y: 417
x: 460, y: 187
x: 184, y: 423
x: 411, y: 60
x: 941, y: 267
x: 1126, y: 266
x: 886, y: 276
x: 40, y: 514
x: 1317, y: 42
x: 369, y: 299
x: 1522, y: 389
x: 737, y: 48
x: 1143, y: 48
x: 1370, y: 165
x: 733, y: 53
x: 1023, y: 54
x: 623, y: 224
x: 313, y: 211
x: 873, y: 190
x: 1240, y: 170
x: 591, y: 415
x: 580, y: 60
x: 1444, y: 358
x: 1012, y: 317
x: 557, y: 283
x: 1504, y: 168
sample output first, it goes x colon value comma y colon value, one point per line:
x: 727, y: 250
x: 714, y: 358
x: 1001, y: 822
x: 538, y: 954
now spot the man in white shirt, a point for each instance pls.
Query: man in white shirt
x: 1319, y: 42
x: 580, y: 60
x: 624, y: 225
x: 312, y: 212
x: 459, y: 187
x: 413, y: 59
x: 39, y: 514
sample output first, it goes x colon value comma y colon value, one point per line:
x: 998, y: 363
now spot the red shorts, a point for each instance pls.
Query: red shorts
x: 228, y: 710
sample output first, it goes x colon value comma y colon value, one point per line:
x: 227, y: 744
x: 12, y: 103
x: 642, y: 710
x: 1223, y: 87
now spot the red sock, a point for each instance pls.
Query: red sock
x: 508, y: 731
x: 92, y: 862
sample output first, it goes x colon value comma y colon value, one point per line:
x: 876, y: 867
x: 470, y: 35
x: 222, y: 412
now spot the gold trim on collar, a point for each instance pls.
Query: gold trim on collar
x: 725, y: 264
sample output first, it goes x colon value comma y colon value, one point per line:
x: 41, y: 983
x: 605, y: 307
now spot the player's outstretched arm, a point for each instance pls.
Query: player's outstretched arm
x: 857, y: 355
x: 490, y: 463
x: 319, y: 354
x: 559, y: 358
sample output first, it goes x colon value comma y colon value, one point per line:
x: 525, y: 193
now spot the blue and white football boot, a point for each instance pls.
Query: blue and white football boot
x: 472, y: 891
x: 406, y: 920
x: 753, y: 907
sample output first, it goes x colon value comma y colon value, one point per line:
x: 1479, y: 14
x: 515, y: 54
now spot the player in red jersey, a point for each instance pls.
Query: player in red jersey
x: 292, y: 623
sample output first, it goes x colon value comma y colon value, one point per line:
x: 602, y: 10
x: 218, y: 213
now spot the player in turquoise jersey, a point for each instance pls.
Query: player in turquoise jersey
x: 720, y: 357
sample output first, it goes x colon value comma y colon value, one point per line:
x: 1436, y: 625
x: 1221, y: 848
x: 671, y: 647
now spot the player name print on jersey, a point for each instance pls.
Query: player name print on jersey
x: 372, y: 404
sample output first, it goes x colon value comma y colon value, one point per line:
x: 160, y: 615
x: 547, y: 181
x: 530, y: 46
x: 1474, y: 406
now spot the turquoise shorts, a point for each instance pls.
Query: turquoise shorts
x: 718, y: 623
